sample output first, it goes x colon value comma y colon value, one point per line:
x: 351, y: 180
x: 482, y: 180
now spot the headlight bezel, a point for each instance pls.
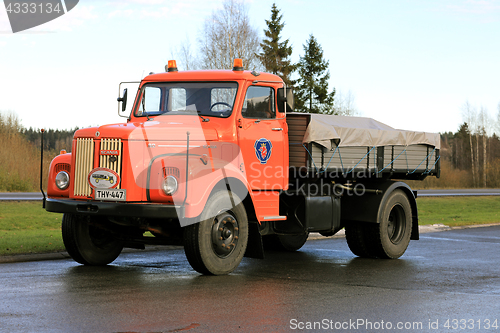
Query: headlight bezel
x: 62, y: 180
x: 170, y: 185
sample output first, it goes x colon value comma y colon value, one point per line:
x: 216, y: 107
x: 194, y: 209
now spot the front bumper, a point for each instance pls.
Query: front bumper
x: 123, y: 209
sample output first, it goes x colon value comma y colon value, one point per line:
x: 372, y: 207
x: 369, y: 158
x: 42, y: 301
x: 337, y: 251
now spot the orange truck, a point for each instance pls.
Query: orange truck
x: 217, y: 161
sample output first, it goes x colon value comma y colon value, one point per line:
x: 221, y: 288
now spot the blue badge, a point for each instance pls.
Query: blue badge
x: 263, y: 149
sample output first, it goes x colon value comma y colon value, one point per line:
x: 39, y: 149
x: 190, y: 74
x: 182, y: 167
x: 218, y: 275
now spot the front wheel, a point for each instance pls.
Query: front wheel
x: 88, y: 244
x: 216, y: 245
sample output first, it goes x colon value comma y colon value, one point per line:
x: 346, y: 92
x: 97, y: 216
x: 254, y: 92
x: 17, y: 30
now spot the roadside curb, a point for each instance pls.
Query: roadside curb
x: 312, y: 236
x: 423, y: 229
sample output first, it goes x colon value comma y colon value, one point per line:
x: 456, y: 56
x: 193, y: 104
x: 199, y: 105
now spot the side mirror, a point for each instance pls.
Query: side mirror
x: 123, y: 99
x: 285, y: 100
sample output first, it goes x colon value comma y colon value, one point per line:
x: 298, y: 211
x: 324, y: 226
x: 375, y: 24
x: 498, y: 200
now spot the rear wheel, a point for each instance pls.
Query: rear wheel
x: 358, y: 237
x: 292, y: 242
x: 88, y: 244
x: 387, y: 239
x: 216, y: 245
x: 394, y: 229
x: 289, y: 243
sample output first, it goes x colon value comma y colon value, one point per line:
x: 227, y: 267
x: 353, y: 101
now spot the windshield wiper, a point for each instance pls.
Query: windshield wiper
x: 204, y: 119
x: 143, y: 102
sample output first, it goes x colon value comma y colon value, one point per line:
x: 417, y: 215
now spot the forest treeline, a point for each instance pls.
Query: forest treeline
x: 20, y: 153
x: 469, y: 158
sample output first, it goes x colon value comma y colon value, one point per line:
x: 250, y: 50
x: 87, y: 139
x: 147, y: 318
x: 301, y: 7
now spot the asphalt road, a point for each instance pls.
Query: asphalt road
x: 449, y: 278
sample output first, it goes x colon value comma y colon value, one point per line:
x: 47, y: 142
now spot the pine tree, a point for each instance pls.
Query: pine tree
x: 312, y: 87
x: 275, y: 55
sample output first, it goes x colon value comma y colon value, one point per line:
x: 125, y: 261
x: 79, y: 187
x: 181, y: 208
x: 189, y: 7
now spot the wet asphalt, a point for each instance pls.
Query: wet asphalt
x: 446, y: 282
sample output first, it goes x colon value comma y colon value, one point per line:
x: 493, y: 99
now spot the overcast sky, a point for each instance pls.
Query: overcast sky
x: 410, y: 64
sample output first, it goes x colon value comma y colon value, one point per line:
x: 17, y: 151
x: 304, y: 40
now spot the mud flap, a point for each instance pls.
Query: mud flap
x: 255, y: 248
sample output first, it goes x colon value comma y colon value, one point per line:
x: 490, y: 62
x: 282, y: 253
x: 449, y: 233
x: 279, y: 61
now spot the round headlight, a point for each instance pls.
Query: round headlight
x: 62, y: 180
x: 169, y: 185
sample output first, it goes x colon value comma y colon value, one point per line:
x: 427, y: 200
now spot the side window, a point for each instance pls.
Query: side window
x: 259, y: 103
x: 151, y: 98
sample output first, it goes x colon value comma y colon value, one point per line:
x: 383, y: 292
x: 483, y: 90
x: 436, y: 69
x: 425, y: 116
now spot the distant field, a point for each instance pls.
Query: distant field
x: 25, y: 227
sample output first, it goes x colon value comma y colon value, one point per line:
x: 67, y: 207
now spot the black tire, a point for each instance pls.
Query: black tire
x: 289, y: 243
x: 88, y: 244
x: 358, y: 239
x: 216, y: 245
x: 392, y: 234
x: 292, y: 243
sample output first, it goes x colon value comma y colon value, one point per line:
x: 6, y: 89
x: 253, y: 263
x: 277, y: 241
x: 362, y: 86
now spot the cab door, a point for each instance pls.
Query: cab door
x: 262, y: 138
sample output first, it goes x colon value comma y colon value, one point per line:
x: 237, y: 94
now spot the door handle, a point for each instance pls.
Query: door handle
x: 277, y: 129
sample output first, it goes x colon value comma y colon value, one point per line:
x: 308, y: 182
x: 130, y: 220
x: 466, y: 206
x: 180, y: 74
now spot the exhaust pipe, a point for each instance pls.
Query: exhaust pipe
x: 41, y: 169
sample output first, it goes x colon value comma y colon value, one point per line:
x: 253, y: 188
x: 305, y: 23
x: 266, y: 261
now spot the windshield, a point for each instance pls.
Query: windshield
x: 213, y: 99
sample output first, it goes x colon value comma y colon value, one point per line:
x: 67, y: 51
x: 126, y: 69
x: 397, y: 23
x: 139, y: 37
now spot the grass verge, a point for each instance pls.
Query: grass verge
x: 25, y: 227
x: 458, y: 211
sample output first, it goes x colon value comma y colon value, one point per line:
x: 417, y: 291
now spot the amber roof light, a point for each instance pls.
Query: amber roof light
x: 238, y: 65
x: 171, y: 66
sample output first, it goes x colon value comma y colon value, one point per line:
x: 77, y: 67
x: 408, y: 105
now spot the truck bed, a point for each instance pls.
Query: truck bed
x: 349, y: 146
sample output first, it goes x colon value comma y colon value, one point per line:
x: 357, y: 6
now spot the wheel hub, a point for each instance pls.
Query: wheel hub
x: 396, y: 224
x: 225, y: 234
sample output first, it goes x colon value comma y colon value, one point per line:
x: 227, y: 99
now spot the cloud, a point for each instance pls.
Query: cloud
x: 78, y: 16
x: 482, y: 10
x: 127, y: 13
x: 179, y: 9
x: 145, y: 2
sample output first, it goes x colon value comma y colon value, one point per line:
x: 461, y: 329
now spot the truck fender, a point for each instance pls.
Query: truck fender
x: 367, y: 207
x: 229, y: 177
x: 59, y: 163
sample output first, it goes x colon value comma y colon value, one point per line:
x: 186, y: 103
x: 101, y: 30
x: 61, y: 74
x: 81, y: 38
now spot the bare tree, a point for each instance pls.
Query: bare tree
x: 484, y: 129
x: 186, y: 59
x: 469, y: 114
x: 497, y: 123
x: 227, y: 34
x: 344, y: 104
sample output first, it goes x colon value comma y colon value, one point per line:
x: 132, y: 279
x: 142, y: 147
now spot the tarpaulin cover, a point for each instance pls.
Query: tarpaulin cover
x: 329, y: 131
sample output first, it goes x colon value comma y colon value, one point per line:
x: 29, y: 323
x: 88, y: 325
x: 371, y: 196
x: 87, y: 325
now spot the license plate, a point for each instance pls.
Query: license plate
x: 111, y: 195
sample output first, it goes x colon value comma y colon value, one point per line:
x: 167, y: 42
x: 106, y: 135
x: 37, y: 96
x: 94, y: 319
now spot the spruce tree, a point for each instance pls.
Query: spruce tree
x: 275, y: 55
x: 311, y: 92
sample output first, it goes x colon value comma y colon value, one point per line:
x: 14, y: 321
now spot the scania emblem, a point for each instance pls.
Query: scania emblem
x: 263, y: 148
x: 109, y: 152
x: 103, y: 178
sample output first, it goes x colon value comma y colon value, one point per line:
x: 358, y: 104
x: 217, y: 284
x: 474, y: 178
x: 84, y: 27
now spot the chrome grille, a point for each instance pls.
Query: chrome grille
x: 172, y: 171
x: 84, y: 163
x: 110, y: 156
x: 112, y: 161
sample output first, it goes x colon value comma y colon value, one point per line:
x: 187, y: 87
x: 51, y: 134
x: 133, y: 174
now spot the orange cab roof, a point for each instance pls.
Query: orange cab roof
x: 212, y: 75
